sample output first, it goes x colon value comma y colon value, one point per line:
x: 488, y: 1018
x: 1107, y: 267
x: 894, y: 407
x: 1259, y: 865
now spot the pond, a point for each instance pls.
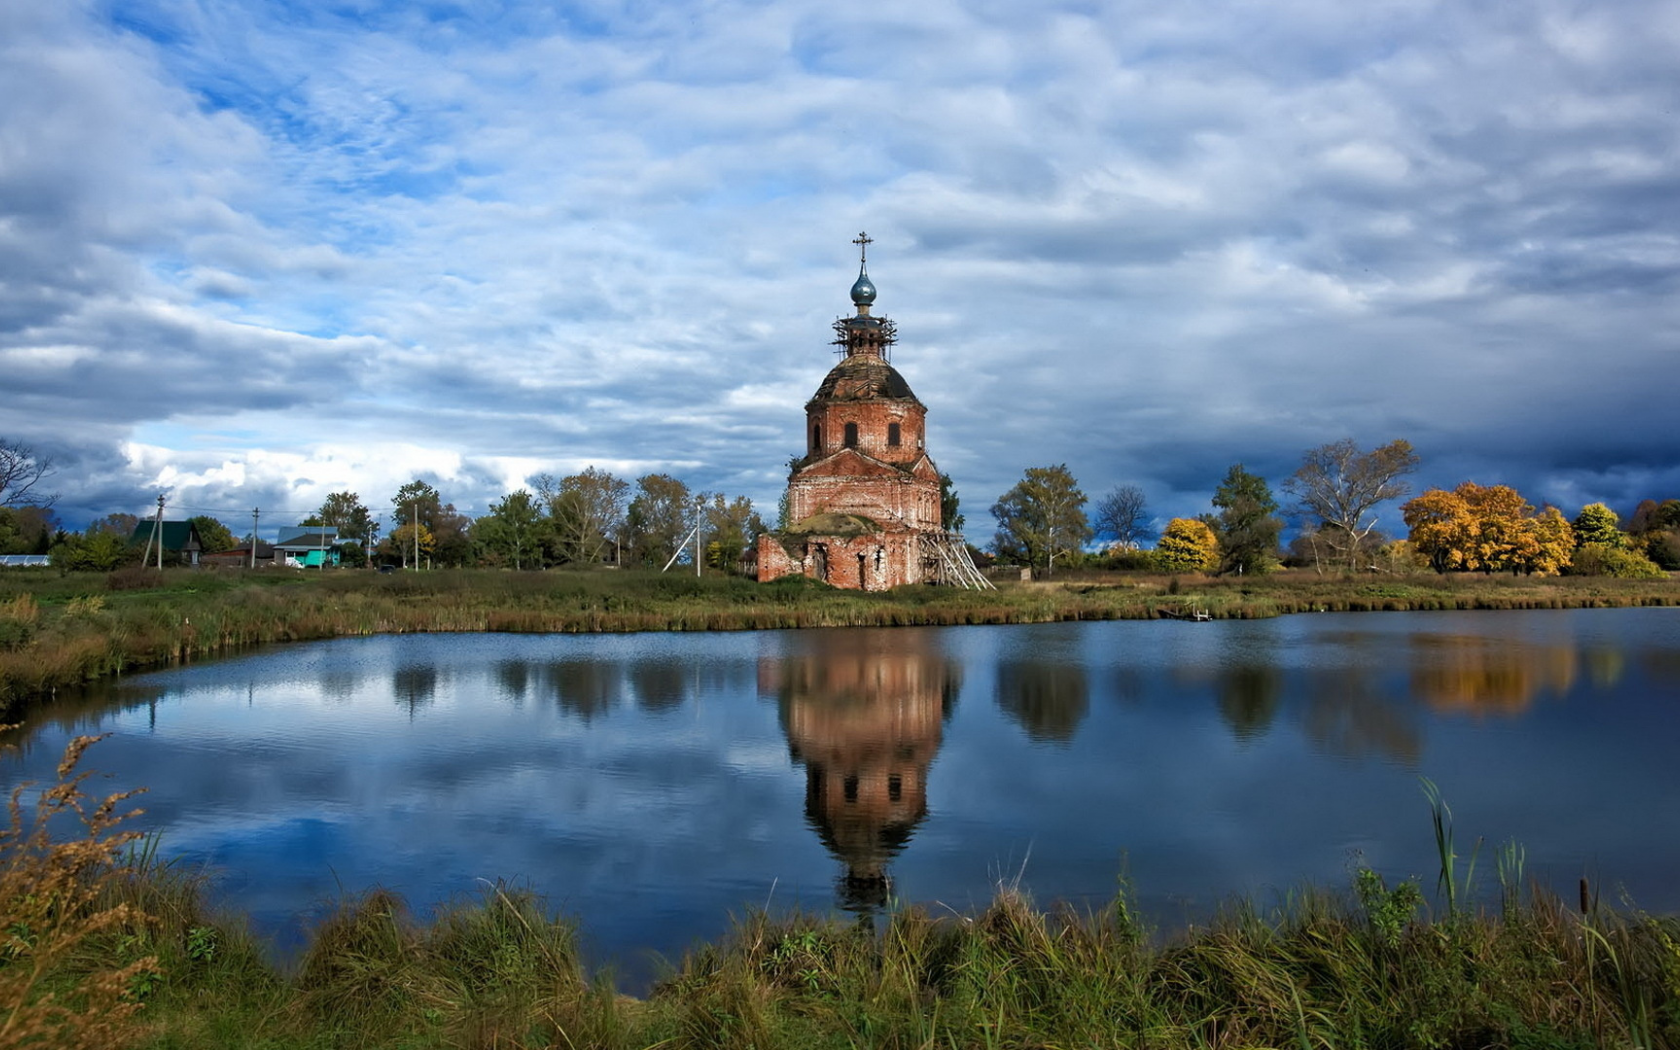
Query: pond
x: 653, y: 785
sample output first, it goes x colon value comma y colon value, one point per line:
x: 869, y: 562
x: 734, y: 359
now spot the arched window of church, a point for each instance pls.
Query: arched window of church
x: 851, y: 435
x: 849, y: 786
x: 816, y: 439
x: 892, y: 434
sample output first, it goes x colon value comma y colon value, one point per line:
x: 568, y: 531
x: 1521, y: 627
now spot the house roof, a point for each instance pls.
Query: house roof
x: 177, y: 535
x: 309, y: 541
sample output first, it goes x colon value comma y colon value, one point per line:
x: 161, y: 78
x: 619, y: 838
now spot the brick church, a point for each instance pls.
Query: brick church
x: 863, y: 507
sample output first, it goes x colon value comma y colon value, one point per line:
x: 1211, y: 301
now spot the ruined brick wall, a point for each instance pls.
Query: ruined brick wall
x: 885, y: 498
x: 872, y: 562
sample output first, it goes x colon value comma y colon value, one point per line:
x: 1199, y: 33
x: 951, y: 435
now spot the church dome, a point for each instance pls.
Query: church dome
x: 863, y: 290
x: 863, y: 377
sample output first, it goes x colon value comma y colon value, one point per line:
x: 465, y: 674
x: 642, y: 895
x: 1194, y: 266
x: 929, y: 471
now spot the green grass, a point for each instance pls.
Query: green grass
x: 1318, y: 971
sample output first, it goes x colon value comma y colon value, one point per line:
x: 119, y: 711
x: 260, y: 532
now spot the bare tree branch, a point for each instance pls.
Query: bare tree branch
x: 1338, y: 485
x: 21, y: 470
x: 1123, y: 516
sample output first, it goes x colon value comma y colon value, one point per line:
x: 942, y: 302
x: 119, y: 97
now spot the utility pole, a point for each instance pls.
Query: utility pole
x: 157, y: 530
x: 256, y: 513
x: 416, y: 506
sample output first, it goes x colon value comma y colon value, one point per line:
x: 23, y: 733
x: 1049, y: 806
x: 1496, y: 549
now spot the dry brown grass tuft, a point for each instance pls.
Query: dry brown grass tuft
x: 50, y: 892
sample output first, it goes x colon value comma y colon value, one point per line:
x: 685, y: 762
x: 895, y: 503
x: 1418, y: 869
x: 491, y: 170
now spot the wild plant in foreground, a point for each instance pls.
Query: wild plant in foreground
x: 51, y: 905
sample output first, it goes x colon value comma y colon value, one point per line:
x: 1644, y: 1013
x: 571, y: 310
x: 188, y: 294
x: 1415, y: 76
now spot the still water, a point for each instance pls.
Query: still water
x: 653, y: 784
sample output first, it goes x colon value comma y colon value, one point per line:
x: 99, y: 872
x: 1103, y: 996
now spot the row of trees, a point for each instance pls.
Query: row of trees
x: 585, y: 518
x: 1336, y: 491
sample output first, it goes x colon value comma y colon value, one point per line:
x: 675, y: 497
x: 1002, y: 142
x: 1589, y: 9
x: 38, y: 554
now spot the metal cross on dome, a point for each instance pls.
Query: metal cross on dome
x: 863, y: 241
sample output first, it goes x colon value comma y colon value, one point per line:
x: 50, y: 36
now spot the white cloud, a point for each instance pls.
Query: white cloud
x: 350, y: 247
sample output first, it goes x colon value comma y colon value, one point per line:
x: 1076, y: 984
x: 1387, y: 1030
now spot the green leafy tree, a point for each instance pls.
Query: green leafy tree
x: 512, y: 531
x: 94, y: 551
x: 950, y: 514
x: 26, y: 530
x: 1187, y: 545
x: 345, y: 512
x: 1338, y: 487
x: 440, y: 524
x: 658, y: 519
x: 587, y: 510
x: 1041, y: 518
x: 731, y: 527
x: 213, y: 534
x: 1599, y: 524
x: 416, y: 501
x: 116, y: 524
x: 415, y: 510
x: 1247, y: 525
x: 1662, y: 548
x: 410, y: 543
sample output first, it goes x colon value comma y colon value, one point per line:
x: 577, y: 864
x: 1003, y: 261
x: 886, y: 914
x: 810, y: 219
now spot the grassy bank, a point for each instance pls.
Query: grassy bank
x: 129, y: 957
x: 58, y: 631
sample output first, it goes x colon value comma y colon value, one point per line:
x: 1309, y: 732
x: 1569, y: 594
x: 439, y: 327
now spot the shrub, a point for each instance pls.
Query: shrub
x: 1599, y: 559
x: 18, y: 619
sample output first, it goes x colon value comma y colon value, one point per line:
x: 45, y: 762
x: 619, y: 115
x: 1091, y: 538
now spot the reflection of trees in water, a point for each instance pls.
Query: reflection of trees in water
x: 339, y: 685
x: 1605, y: 666
x: 1048, y: 699
x: 1660, y: 665
x: 1467, y: 673
x: 414, y: 685
x: 1347, y: 717
x: 77, y: 711
x: 585, y: 688
x: 513, y: 678
x: 660, y: 684
x: 864, y: 712
x: 1249, y: 696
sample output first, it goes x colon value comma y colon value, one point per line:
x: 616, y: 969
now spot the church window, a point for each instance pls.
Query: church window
x: 895, y: 787
x: 816, y: 438
x: 849, y: 787
x: 851, y: 435
x: 893, y: 434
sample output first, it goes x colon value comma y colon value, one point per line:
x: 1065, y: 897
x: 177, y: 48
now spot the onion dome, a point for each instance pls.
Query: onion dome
x: 863, y: 289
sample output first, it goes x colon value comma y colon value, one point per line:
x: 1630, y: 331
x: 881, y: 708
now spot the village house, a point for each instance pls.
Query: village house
x: 307, y: 547
x: 179, y: 538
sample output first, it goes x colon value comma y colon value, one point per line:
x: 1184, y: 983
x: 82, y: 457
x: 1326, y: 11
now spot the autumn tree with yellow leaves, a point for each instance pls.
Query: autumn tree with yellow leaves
x: 1187, y: 545
x: 1491, y: 528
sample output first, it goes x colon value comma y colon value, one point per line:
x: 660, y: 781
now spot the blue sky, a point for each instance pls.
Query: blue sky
x: 251, y: 253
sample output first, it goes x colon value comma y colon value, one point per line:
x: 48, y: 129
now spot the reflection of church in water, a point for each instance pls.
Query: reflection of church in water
x: 864, y: 712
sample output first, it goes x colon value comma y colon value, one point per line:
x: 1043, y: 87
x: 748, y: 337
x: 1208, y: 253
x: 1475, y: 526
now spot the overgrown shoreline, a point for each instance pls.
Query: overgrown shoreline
x: 59, y: 631
x: 105, y: 947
